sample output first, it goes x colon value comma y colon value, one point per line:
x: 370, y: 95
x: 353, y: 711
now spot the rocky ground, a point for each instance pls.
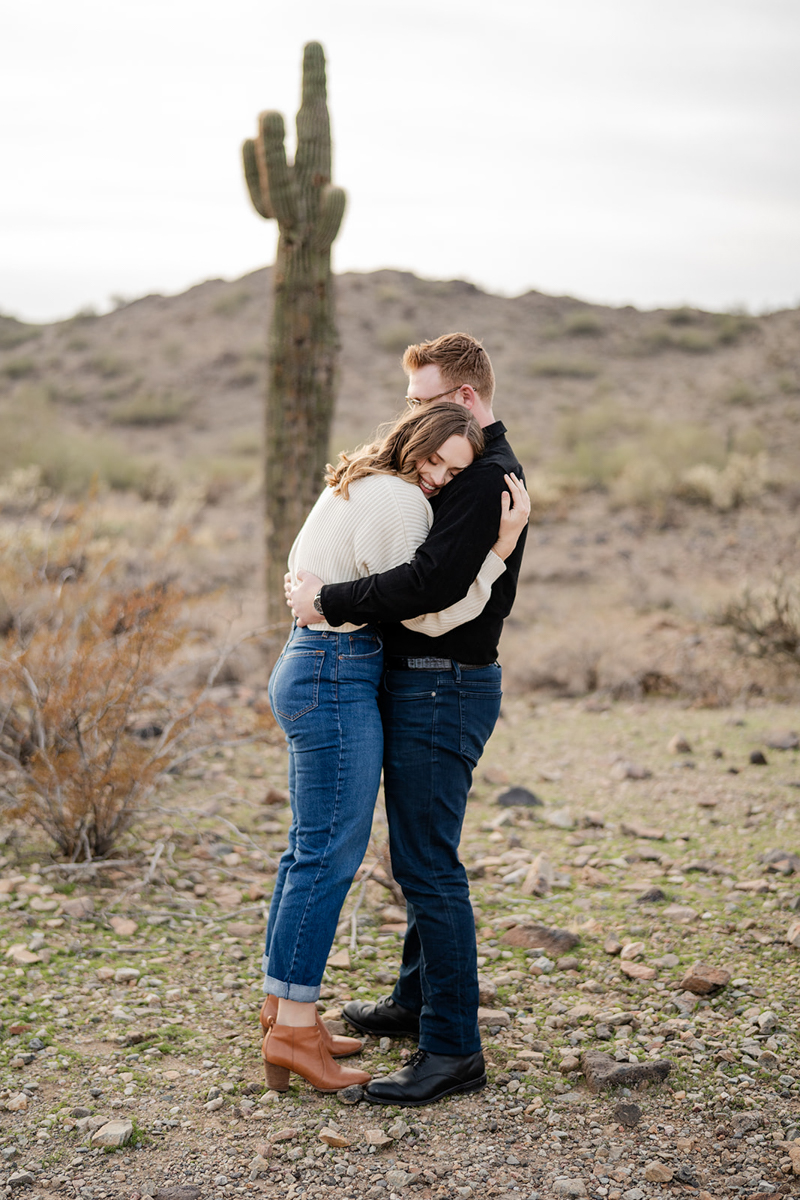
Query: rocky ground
x: 637, y: 900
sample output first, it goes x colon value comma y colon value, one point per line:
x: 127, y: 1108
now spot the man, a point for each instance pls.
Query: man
x: 439, y: 704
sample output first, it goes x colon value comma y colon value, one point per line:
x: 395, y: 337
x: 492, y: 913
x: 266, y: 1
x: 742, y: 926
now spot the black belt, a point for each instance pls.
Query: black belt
x: 395, y: 663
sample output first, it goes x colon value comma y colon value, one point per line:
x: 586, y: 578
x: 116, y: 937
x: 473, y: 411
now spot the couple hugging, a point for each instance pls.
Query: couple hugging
x: 399, y: 582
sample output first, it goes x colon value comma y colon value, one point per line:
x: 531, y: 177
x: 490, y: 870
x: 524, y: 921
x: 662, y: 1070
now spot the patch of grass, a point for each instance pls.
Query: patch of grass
x: 151, y: 409
x: 394, y: 338
x: 15, y: 333
x: 107, y: 366
x: 582, y: 324
x: 553, y: 367
x: 19, y: 368
x: 232, y: 304
x: 247, y: 442
x: 741, y: 394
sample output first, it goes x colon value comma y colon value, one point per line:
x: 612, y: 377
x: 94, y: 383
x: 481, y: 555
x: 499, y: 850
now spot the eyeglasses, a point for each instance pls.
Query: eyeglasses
x: 413, y: 401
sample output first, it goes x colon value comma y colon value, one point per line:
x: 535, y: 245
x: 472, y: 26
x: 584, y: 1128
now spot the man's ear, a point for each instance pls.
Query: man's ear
x: 469, y: 397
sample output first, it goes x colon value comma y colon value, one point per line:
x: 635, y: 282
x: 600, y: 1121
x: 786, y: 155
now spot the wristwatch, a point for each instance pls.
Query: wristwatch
x: 318, y: 603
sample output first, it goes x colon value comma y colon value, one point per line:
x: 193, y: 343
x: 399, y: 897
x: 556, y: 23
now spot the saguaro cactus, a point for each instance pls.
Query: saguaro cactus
x: 303, y: 342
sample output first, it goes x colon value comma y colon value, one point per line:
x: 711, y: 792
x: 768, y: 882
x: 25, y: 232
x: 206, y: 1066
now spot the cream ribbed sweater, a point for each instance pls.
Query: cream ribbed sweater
x: 378, y: 527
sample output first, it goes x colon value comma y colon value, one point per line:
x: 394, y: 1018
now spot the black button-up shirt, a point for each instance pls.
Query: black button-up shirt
x: 465, y: 527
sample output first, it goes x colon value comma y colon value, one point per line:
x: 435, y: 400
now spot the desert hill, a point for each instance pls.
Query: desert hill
x: 662, y: 450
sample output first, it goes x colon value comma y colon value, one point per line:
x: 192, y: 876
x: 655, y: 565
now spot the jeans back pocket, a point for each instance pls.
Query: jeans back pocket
x: 294, y: 683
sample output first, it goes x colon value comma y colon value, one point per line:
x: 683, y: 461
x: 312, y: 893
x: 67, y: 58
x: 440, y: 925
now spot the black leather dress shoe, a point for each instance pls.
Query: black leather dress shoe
x: 428, y: 1077
x: 382, y: 1018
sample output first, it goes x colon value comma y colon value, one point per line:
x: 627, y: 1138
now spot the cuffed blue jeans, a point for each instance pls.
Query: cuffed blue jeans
x: 436, y: 724
x: 324, y: 693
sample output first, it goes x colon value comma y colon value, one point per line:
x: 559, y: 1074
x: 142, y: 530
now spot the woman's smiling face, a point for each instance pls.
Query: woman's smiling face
x: 452, y: 457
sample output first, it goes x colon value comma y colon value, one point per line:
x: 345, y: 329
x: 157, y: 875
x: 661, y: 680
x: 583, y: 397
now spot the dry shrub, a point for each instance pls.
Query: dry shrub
x: 80, y: 662
x: 766, y: 621
x: 743, y: 478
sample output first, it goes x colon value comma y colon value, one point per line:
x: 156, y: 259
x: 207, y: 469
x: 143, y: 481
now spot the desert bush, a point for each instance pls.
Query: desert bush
x: 19, y: 368
x: 766, y: 620
x: 582, y: 324
x: 107, y: 366
x: 231, y: 304
x: 553, y: 367
x: 15, y: 333
x: 682, y: 315
x: 69, y: 462
x: 80, y: 659
x: 151, y: 408
x: 742, y: 478
x: 741, y: 394
x: 394, y: 338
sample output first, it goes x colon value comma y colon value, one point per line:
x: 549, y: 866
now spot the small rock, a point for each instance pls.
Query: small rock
x: 340, y: 960
x: 351, y: 1095
x: 648, y: 832
x: 635, y: 970
x: 667, y: 961
x: 113, y: 1133
x: 539, y: 878
x: 494, y: 1016
x: 631, y: 951
x: 783, y: 862
x: 376, y: 1137
x: 628, y: 1115
x: 682, y: 913
x: 653, y: 895
x: 18, y: 1103
x: 785, y: 740
x: 559, y: 818
x: 178, y: 1192
x: 487, y: 989
x: 126, y: 974
x: 551, y: 941
x: 79, y: 907
x: 679, y: 745
x: 258, y: 1167
x: 568, y: 963
x: 564, y: 1186
x: 399, y: 1179
x: 123, y: 926
x: 602, y: 1071
x: 21, y: 955
x: 622, y: 769
x: 705, y: 980
x: 793, y: 934
x: 768, y: 1022
x: 757, y: 758
x: 569, y: 1064
x: 657, y: 1172
x: 685, y: 1174
x: 20, y: 1179
x: 518, y: 796
x: 612, y: 945
x: 285, y: 1135
x: 591, y: 877
x: 215, y: 1104
x: 332, y: 1137
x: 399, y: 1129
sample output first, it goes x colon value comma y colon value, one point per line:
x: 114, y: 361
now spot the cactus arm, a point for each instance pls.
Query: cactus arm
x: 253, y: 179
x: 279, y: 175
x: 313, y: 156
x: 331, y: 210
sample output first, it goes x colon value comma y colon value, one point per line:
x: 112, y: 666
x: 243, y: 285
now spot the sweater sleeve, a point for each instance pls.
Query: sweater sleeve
x: 444, y: 566
x: 403, y: 520
x: 435, y: 624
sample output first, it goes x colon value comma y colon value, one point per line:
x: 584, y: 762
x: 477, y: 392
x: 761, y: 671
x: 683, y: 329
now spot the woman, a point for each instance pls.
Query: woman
x: 372, y: 516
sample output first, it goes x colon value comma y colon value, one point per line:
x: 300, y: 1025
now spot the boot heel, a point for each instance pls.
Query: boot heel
x: 277, y: 1077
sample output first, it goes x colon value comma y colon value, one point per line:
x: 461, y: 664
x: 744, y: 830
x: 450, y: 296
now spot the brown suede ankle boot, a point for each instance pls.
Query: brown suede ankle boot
x: 336, y: 1045
x: 288, y: 1048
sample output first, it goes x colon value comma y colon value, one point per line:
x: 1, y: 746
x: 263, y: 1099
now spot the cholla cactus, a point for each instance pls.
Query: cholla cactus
x: 303, y: 342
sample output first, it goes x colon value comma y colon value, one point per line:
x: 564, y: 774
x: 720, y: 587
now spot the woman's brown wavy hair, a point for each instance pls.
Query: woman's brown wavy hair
x: 398, y: 448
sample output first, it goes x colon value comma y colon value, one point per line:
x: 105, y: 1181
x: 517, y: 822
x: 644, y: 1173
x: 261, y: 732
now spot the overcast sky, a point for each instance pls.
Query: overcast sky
x: 623, y: 151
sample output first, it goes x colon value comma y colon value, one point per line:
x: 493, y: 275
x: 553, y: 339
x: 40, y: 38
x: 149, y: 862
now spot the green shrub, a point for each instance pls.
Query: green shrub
x: 150, y: 409
x: 394, y: 338
x: 232, y: 303
x: 766, y: 620
x: 107, y: 366
x: 582, y: 324
x: 19, y: 368
x: 552, y: 367
x: 682, y: 316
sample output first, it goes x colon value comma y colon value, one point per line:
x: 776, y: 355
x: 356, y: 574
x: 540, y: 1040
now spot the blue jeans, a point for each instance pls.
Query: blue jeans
x: 436, y: 724
x: 324, y: 694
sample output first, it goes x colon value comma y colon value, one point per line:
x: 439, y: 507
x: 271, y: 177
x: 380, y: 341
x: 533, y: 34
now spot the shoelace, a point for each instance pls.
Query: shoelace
x: 417, y: 1058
